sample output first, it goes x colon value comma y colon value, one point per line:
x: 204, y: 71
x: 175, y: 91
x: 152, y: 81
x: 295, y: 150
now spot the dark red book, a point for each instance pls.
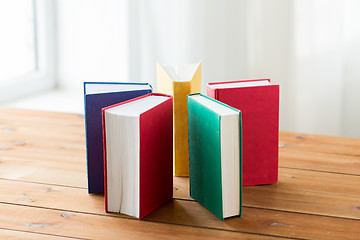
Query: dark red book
x: 258, y: 101
x: 138, y: 154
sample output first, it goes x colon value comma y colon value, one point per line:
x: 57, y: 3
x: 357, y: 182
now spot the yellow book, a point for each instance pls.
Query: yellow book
x: 179, y: 83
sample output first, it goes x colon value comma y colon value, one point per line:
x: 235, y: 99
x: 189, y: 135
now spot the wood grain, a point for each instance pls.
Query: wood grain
x: 299, y: 180
x: 319, y: 161
x: 286, y: 195
x: 43, y: 175
x: 318, y: 143
x: 268, y: 197
x: 264, y: 221
x: 19, y: 235
x: 90, y: 226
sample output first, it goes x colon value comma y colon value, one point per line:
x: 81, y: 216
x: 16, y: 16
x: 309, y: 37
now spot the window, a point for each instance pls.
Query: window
x: 27, y: 53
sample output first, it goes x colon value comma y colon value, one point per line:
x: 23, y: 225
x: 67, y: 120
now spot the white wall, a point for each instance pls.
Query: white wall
x: 309, y: 47
x: 351, y: 86
x: 298, y: 44
x: 184, y: 32
x: 91, y: 42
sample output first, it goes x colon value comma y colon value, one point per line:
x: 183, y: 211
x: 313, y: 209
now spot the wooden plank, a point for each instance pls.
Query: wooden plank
x: 47, y: 146
x: 13, y: 118
x: 47, y: 168
x: 272, y: 197
x: 303, y: 180
x: 45, y: 153
x: 39, y: 174
x: 269, y: 197
x: 318, y: 143
x: 323, y: 182
x: 16, y: 115
x: 80, y: 225
x: 59, y: 140
x: 329, y: 162
x: 58, y: 130
x: 298, y: 180
x: 190, y: 212
x: 262, y: 221
x: 62, y: 161
x: 19, y: 235
x: 288, y: 158
x: 38, y: 139
x: 41, y: 129
x: 181, y: 188
x: 43, y: 147
x: 300, y: 191
x: 28, y: 164
x: 53, y: 151
x: 50, y: 196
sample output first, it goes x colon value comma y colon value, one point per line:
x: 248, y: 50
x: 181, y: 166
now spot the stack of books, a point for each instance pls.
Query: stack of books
x: 136, y: 140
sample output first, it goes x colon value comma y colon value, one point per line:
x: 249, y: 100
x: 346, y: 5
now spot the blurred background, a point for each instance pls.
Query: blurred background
x: 311, y: 48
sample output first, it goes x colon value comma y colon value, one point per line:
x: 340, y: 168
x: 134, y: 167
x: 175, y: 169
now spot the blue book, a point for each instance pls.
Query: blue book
x: 98, y: 95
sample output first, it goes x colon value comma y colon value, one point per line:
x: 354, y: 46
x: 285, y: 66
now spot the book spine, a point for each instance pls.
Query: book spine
x: 181, y: 90
x: 105, y: 162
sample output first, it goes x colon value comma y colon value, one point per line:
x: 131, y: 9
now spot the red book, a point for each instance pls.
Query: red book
x: 258, y: 101
x: 138, y: 154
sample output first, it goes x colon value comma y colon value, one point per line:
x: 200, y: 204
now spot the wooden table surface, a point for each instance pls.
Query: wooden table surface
x: 43, y: 191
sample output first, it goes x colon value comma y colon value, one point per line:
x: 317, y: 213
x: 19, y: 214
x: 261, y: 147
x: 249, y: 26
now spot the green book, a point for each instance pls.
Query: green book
x: 215, y: 162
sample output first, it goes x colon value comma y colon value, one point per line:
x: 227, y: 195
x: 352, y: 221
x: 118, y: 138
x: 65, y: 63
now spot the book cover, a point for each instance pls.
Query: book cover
x: 138, y: 156
x: 258, y: 101
x: 96, y: 96
x: 179, y: 84
x: 215, y: 155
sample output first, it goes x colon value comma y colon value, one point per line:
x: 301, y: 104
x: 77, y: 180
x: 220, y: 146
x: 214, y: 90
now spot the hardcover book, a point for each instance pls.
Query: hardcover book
x: 258, y: 101
x: 138, y: 157
x: 96, y: 96
x: 215, y: 155
x: 179, y: 83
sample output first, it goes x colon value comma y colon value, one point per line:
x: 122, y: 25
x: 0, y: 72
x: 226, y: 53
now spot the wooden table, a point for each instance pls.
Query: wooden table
x: 43, y: 191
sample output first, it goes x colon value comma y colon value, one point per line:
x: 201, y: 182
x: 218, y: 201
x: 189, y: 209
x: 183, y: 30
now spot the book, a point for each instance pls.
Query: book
x: 215, y: 155
x: 96, y: 96
x: 138, y: 156
x: 258, y: 101
x: 179, y: 83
